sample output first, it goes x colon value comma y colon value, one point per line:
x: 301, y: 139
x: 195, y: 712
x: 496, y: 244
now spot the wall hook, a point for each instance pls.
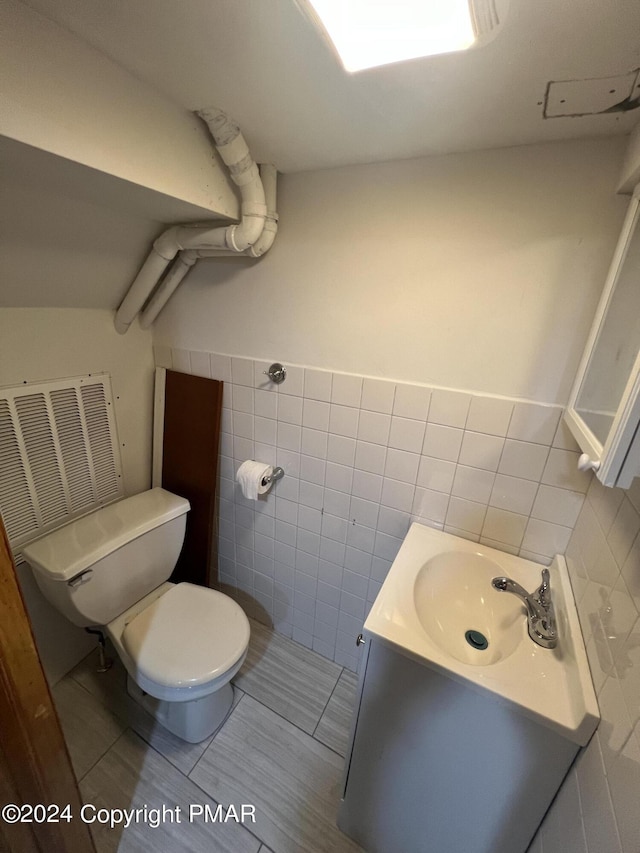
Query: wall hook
x: 277, y: 373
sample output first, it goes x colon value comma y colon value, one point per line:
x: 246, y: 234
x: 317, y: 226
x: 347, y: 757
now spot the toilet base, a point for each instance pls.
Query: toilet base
x: 193, y: 721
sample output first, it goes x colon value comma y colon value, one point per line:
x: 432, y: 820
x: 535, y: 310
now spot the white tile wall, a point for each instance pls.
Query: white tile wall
x: 363, y: 459
x: 597, y: 806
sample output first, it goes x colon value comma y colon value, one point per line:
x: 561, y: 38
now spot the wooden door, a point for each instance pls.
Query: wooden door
x: 34, y: 763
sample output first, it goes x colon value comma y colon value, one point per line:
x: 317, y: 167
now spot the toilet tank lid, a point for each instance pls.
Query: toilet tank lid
x: 71, y: 549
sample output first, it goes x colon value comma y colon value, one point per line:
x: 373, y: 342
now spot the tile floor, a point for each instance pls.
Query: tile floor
x: 281, y: 749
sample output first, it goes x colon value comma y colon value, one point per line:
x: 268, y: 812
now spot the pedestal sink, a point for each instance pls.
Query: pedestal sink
x: 464, y: 727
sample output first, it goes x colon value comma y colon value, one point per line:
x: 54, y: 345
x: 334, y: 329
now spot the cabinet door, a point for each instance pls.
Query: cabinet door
x: 604, y: 409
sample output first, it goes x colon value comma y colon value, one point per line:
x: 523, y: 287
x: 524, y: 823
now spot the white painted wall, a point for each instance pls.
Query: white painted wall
x: 41, y: 344
x: 477, y: 271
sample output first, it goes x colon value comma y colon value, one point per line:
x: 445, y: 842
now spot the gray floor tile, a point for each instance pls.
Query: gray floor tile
x: 293, y: 780
x: 335, y: 724
x: 132, y: 775
x: 89, y: 728
x: 110, y: 688
x: 287, y: 678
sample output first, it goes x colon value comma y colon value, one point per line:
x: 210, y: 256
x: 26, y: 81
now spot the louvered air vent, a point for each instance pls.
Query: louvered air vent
x: 59, y: 454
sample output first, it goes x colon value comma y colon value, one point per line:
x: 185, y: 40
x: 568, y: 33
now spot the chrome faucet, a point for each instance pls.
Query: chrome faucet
x: 541, y: 617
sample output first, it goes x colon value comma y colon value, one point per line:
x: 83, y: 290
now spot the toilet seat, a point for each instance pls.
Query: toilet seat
x: 187, y: 639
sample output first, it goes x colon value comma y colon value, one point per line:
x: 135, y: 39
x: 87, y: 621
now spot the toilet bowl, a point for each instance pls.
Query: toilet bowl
x: 181, y: 644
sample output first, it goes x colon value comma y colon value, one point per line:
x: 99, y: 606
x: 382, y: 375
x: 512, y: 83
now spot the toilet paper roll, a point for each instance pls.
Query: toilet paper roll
x: 250, y: 476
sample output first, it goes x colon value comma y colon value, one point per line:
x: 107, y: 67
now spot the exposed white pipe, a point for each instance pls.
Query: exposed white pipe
x: 237, y: 238
x: 269, y: 176
x: 170, y: 282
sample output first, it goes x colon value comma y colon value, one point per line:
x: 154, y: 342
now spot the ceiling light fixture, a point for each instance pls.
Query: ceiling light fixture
x: 368, y: 33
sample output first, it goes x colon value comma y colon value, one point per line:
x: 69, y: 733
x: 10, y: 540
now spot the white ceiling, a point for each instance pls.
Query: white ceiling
x: 263, y: 62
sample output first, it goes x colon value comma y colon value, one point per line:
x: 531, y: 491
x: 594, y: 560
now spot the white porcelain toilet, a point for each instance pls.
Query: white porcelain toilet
x: 181, y: 644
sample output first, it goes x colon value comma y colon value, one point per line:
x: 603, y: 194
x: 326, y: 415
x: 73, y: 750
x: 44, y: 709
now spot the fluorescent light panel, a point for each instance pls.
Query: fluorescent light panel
x: 367, y: 33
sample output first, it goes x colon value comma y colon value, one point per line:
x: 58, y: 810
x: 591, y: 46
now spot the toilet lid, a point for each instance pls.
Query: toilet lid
x: 188, y: 636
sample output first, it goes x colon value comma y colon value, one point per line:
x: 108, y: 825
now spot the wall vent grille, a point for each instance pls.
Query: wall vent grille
x: 59, y: 454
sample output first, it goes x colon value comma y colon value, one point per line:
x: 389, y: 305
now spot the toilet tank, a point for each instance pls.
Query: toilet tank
x: 96, y: 567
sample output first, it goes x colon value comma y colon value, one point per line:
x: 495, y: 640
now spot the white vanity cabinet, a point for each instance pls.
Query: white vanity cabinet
x: 436, y: 765
x: 604, y: 408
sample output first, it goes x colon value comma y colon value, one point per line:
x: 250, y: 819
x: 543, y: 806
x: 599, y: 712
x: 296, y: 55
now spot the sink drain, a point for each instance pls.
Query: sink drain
x: 476, y: 640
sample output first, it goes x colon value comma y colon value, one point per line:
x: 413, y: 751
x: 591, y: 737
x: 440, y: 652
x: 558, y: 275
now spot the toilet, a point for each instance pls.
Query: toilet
x: 181, y: 644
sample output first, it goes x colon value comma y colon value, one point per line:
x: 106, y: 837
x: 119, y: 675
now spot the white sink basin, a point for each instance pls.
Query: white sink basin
x: 439, y: 589
x: 462, y: 613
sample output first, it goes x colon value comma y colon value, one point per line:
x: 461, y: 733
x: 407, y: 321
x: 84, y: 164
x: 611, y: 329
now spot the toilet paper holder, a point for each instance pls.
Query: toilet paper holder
x: 276, y: 474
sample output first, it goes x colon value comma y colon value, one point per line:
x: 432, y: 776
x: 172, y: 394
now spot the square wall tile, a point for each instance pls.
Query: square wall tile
x: 374, y: 427
x: 605, y: 502
x: 397, y: 495
x: 401, y: 465
x: 562, y: 470
x: 466, y: 515
x: 265, y: 430
x: 442, y: 442
x: 317, y: 384
x: 312, y: 469
x: 265, y: 404
x: 377, y: 395
x: 242, y: 371
x: 623, y: 532
x: 200, y: 364
x: 364, y: 512
x: 473, y: 484
x: 489, y: 415
x: 523, y: 459
x: 336, y: 503
x: 340, y: 449
x: 393, y: 522
x: 545, y: 538
x: 430, y: 504
x: 370, y: 457
x: 559, y: 506
x: 513, y: 493
x: 343, y: 420
x: 449, y: 408
x: 367, y: 485
x: 220, y: 367
x: 311, y: 494
x: 314, y: 443
x: 503, y: 526
x: 481, y: 451
x: 289, y: 436
x: 315, y: 414
x: 406, y: 434
x: 290, y: 409
x: 412, y: 401
x: 436, y: 474
x: 346, y: 390
x: 243, y: 425
x: 242, y: 399
x: 534, y: 422
x: 339, y: 477
x: 564, y: 438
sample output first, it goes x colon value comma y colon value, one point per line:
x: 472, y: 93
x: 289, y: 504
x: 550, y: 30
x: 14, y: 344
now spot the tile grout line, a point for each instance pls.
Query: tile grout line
x: 326, y: 705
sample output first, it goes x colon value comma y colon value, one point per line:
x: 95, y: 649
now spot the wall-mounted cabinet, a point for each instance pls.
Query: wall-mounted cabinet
x: 604, y: 408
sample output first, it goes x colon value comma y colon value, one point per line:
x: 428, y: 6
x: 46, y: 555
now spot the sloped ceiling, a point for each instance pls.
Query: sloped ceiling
x: 263, y: 62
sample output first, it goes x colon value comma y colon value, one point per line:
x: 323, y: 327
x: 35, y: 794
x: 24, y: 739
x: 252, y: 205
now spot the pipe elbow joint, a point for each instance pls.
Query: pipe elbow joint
x: 166, y: 245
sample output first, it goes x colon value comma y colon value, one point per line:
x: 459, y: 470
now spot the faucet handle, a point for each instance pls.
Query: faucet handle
x: 543, y: 592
